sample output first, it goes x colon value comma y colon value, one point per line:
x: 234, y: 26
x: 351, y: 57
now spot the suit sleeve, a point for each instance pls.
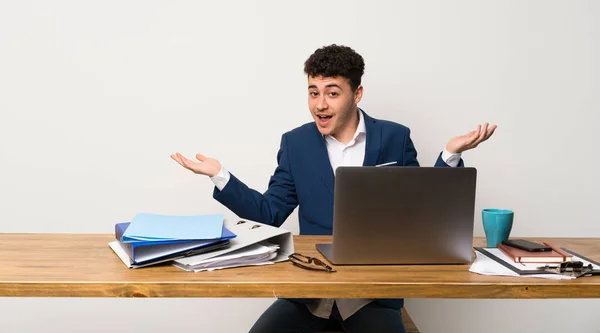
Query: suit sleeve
x: 410, y: 152
x: 274, y: 206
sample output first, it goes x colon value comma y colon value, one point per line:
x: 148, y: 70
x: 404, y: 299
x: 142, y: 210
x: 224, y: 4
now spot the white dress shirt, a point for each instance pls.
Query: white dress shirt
x: 350, y: 154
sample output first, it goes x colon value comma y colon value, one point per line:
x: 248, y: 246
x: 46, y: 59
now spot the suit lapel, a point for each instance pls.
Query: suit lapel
x: 373, y: 140
x: 322, y: 163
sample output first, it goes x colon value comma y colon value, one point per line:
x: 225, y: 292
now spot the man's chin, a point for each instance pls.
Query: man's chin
x: 324, y: 130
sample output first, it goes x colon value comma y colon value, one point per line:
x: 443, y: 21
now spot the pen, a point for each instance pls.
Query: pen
x: 388, y: 163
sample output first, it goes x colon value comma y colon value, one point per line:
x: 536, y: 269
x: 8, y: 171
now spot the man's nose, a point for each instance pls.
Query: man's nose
x: 322, y: 103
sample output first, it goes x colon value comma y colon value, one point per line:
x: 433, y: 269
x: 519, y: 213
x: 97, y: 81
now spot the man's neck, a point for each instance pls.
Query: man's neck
x: 347, y: 133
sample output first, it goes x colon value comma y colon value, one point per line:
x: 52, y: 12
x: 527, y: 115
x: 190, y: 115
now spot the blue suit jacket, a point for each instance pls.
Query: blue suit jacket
x: 304, y: 178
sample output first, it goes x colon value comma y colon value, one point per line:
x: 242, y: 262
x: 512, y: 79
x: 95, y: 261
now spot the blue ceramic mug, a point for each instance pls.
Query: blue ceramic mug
x: 497, y: 224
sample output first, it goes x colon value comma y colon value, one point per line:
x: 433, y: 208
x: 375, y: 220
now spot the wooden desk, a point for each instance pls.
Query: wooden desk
x: 68, y: 265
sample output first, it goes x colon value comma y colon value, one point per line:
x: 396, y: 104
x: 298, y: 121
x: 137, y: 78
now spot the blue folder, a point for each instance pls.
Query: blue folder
x: 154, y: 227
x: 144, y: 252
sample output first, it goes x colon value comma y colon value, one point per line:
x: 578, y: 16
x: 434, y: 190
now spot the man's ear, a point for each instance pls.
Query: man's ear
x: 358, y: 94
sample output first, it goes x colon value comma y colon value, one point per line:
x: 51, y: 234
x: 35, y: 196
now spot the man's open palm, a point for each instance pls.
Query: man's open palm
x: 470, y: 140
x: 204, y: 166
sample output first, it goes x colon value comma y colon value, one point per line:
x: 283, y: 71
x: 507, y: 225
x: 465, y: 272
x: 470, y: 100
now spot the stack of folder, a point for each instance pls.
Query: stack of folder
x: 150, y: 239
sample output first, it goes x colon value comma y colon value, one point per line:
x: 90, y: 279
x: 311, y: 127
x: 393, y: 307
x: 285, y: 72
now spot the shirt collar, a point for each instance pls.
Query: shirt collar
x: 362, y: 128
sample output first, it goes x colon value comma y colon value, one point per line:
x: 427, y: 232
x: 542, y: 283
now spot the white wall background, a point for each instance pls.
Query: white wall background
x: 95, y: 96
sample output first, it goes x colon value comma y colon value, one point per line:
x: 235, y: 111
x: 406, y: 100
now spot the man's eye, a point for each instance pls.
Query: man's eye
x: 314, y: 93
x: 333, y: 94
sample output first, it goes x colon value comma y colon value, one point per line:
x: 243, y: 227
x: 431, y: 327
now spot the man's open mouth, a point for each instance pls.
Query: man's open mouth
x: 323, y: 120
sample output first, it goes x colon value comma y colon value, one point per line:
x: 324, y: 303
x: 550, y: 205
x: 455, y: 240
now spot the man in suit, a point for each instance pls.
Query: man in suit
x: 341, y: 135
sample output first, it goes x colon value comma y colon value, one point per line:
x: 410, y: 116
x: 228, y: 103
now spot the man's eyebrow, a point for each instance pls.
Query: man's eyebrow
x: 331, y: 85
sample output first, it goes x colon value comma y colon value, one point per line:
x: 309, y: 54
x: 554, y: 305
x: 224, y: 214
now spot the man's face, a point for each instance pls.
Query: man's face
x: 332, y: 102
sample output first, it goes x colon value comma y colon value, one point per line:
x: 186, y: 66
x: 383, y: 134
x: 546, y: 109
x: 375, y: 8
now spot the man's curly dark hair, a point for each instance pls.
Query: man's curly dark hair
x: 336, y: 60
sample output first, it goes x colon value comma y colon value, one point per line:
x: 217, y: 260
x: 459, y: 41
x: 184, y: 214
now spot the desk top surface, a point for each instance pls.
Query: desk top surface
x: 82, y: 265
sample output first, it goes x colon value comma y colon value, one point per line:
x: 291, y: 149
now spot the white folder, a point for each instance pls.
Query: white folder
x: 247, y: 233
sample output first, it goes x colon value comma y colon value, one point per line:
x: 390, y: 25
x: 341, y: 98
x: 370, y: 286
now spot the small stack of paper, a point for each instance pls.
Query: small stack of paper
x: 492, y: 261
x: 253, y: 255
x: 255, y: 244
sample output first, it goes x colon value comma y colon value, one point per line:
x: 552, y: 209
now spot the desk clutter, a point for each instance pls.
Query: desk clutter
x: 199, y: 243
x: 556, y: 263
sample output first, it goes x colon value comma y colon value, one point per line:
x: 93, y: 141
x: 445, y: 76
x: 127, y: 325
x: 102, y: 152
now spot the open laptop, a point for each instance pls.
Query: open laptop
x: 402, y: 215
